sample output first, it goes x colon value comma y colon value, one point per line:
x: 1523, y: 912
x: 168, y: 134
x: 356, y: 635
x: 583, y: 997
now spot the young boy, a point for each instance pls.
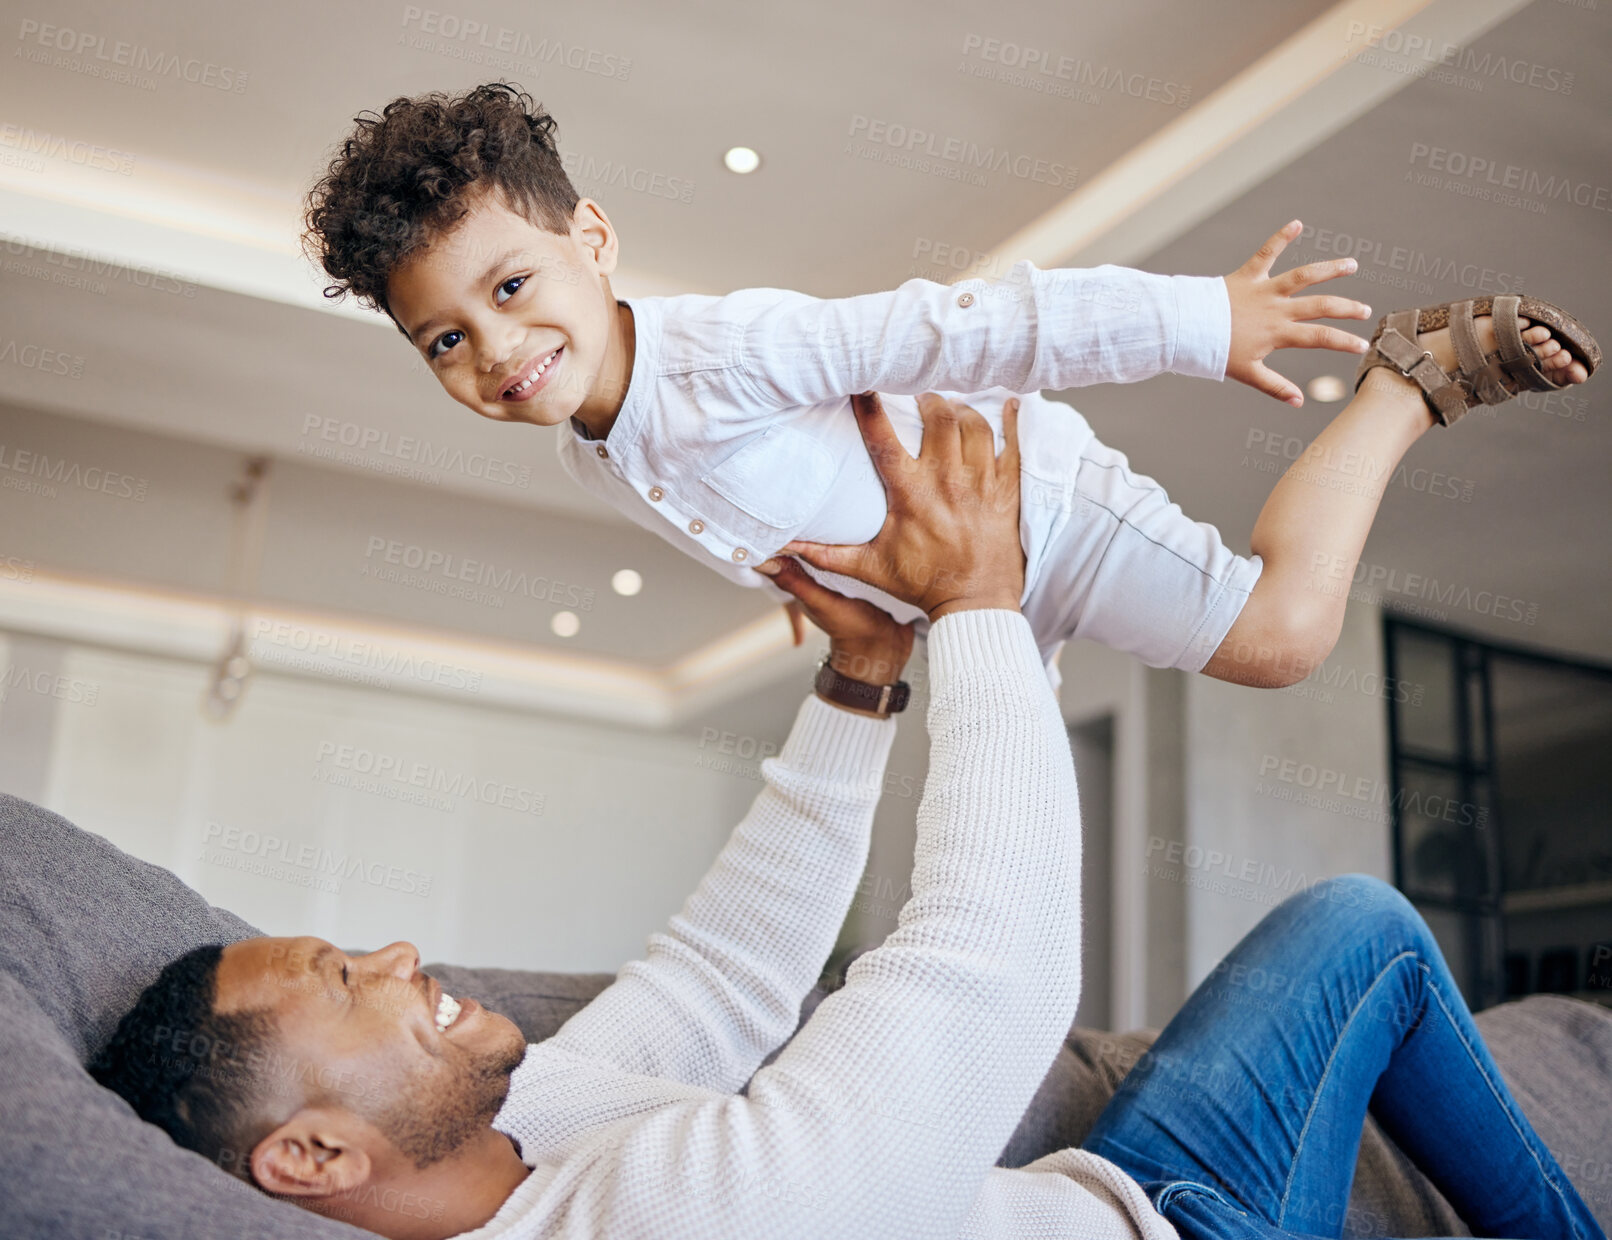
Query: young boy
x: 722, y: 423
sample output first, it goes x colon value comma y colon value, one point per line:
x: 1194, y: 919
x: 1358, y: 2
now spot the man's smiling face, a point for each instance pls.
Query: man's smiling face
x: 513, y: 320
x: 375, y: 1037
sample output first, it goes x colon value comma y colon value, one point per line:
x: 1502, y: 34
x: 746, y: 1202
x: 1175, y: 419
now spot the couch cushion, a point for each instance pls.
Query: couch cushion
x: 86, y: 927
x: 77, y: 1164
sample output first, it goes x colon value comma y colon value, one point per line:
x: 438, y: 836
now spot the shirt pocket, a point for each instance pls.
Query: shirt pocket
x: 780, y: 478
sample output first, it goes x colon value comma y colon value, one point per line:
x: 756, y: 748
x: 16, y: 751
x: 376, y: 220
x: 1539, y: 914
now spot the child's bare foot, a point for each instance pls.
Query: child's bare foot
x: 1422, y: 351
x: 1554, y: 357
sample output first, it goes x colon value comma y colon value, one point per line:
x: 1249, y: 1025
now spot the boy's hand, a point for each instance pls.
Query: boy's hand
x: 1265, y: 316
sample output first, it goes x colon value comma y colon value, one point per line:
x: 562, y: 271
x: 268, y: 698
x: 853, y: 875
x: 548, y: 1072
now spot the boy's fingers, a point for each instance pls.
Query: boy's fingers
x: 1268, y: 253
x: 1290, y: 282
x: 1268, y: 381
x: 1314, y: 336
x: 1328, y: 308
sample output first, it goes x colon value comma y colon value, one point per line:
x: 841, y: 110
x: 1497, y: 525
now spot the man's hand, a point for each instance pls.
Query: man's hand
x: 1265, y: 316
x: 950, y: 540
x: 865, y: 642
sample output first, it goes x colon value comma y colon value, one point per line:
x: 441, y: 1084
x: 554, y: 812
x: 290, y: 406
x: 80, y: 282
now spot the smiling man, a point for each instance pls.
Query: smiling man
x: 352, y: 1084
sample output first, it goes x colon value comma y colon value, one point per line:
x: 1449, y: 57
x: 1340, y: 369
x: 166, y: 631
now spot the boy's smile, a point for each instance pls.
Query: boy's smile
x: 533, y: 377
x: 518, y: 323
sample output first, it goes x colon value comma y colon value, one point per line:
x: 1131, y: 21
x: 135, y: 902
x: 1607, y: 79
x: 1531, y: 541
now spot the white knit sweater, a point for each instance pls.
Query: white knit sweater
x: 884, y: 1116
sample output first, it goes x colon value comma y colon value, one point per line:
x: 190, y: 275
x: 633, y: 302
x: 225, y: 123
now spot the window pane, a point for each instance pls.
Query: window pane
x: 1427, y: 721
x: 1445, y: 837
x: 1553, y: 731
x: 1474, y: 711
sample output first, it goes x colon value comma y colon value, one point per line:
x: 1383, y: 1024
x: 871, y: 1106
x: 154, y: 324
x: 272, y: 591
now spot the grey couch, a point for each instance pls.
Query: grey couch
x: 84, y: 927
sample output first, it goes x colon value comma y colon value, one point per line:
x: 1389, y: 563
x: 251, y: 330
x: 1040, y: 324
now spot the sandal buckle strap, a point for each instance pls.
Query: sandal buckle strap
x: 1402, y: 352
x: 1446, y: 396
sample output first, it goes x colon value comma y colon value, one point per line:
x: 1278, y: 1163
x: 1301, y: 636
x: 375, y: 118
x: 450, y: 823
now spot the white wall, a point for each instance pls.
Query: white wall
x: 629, y: 819
x: 1282, y: 788
x: 1218, y: 809
x: 1210, y: 821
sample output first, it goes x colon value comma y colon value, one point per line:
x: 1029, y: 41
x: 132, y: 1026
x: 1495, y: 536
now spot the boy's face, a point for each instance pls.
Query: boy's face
x: 515, y: 320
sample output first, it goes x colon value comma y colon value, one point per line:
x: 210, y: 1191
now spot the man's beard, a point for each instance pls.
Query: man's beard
x: 438, y: 1115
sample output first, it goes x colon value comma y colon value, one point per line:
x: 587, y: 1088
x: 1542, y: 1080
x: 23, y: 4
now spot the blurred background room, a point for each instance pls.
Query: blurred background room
x: 277, y: 615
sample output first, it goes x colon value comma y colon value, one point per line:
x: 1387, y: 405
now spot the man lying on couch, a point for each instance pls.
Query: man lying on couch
x: 353, y: 1086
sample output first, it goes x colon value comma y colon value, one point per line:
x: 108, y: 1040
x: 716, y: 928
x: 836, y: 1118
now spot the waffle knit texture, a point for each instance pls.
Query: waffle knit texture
x: 885, y: 1114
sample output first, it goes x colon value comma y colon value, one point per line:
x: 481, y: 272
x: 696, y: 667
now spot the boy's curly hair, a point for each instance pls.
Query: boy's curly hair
x: 410, y: 172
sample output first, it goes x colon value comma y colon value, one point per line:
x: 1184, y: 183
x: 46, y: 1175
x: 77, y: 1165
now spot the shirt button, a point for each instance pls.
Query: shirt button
x: 696, y: 526
x: 604, y: 454
x: 965, y: 300
x: 740, y: 555
x: 656, y: 494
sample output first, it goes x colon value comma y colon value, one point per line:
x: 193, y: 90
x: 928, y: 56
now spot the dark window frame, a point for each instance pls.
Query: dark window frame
x: 1483, y: 916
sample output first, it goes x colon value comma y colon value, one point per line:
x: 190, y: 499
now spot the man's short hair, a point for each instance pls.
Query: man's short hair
x: 189, y: 1070
x: 412, y: 171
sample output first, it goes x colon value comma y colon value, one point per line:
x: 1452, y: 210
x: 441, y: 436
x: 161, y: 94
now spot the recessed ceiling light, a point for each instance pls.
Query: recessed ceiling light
x: 565, y: 624
x: 741, y: 159
x: 627, y: 583
x: 1328, y: 388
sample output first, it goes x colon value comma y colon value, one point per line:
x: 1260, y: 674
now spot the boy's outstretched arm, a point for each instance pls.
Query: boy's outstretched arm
x: 1035, y: 329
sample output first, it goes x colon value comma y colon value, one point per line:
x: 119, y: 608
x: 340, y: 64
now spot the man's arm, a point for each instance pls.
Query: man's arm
x: 885, y: 1114
x: 887, y: 1111
x: 721, y: 986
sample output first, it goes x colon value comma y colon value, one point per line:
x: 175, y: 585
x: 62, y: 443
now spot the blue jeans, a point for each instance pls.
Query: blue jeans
x: 1244, y: 1119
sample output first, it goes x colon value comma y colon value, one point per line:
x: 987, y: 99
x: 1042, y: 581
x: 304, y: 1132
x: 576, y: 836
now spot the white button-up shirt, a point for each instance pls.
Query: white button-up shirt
x: 736, y: 434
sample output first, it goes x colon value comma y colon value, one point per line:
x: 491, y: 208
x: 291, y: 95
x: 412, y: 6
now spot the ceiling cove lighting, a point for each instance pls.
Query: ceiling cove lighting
x: 741, y: 159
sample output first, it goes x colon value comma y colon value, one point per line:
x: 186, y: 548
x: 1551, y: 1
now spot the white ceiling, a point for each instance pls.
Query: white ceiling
x: 216, y: 177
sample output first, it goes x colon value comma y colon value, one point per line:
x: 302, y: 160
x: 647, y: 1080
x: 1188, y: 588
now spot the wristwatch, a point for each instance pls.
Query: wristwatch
x: 881, y: 700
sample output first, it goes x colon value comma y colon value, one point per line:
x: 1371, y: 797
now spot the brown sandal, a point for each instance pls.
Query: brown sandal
x: 1481, y: 379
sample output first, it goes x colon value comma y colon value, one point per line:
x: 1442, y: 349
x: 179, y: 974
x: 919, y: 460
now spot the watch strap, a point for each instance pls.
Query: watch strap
x: 883, y: 700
